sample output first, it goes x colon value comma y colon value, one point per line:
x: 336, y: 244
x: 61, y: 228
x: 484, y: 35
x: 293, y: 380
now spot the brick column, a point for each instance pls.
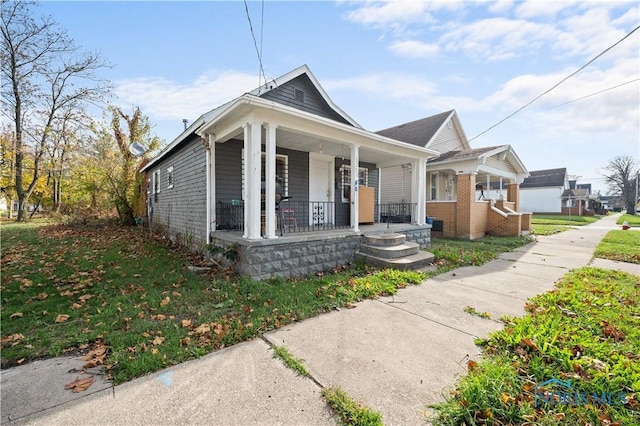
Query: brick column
x: 466, y: 193
x: 513, y: 195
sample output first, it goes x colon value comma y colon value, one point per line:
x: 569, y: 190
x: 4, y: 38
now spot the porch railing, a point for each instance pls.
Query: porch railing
x: 396, y: 212
x: 292, y: 216
x: 306, y: 216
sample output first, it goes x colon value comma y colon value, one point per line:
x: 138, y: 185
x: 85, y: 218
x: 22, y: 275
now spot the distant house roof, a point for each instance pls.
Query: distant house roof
x: 545, y: 178
x: 465, y: 154
x: 417, y: 132
x: 575, y: 193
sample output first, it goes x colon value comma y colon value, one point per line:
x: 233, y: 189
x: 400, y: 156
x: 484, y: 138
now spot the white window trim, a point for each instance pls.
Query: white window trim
x: 170, y: 178
x: 433, y: 186
x: 156, y: 181
x: 345, y: 181
x: 285, y: 178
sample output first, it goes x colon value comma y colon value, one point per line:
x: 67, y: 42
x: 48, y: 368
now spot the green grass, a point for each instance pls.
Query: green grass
x: 587, y: 331
x: 473, y: 311
x: 348, y: 411
x: 290, y: 361
x: 125, y: 288
x: 632, y: 220
x: 620, y: 245
x: 549, y: 224
x: 451, y: 254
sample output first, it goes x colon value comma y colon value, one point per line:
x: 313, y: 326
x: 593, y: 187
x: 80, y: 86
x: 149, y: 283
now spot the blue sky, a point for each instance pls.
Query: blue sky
x: 389, y: 62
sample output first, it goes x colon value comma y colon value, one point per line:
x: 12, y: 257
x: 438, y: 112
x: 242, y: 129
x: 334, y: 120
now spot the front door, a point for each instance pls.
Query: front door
x: 320, y: 189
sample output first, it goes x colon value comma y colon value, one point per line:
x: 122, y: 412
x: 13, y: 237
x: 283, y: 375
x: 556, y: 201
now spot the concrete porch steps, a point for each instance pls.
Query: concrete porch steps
x: 392, y: 251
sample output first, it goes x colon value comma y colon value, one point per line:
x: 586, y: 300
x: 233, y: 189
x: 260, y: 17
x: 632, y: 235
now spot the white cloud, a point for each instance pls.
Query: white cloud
x: 498, y: 38
x: 500, y: 7
x: 414, y: 49
x: 163, y: 99
x: 537, y: 8
x: 390, y: 13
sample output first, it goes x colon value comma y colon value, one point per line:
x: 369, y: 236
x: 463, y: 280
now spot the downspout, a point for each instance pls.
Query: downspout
x: 210, y: 179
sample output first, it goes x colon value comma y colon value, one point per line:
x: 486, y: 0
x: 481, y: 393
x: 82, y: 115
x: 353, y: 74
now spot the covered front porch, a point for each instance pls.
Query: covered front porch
x: 274, y: 170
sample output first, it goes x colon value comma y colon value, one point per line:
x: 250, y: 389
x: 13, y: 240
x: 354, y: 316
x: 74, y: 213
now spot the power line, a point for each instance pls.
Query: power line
x: 597, y: 93
x: 555, y: 85
x: 255, y: 42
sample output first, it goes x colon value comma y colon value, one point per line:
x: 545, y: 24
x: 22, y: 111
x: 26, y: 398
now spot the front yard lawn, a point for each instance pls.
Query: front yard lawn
x: 67, y: 289
x: 623, y: 246
x: 572, y: 360
x: 549, y: 224
x: 632, y: 220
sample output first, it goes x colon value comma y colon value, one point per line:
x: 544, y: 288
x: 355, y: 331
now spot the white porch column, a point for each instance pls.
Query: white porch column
x: 418, y: 193
x: 487, y: 192
x: 252, y: 169
x: 501, y: 196
x: 355, y: 174
x: 211, y: 185
x: 270, y: 181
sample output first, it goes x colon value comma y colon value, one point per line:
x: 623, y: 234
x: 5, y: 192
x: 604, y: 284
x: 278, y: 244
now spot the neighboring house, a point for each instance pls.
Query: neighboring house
x: 543, y: 191
x: 577, y: 200
x: 281, y: 177
x: 470, y: 192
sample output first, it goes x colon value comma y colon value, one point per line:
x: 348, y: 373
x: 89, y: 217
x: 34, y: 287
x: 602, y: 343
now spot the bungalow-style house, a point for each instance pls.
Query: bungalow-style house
x: 543, y: 191
x: 280, y: 179
x: 470, y: 192
x: 577, y: 200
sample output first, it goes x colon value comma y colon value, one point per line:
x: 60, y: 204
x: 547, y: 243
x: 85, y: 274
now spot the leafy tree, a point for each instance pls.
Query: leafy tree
x: 125, y: 185
x: 623, y: 172
x: 46, y: 80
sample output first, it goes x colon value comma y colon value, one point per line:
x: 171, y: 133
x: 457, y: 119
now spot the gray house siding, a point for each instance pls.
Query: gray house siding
x: 228, y: 166
x: 310, y: 101
x: 181, y: 211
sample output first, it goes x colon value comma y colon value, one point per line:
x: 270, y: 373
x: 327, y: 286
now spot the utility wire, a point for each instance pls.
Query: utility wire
x: 255, y: 44
x: 597, y: 93
x: 555, y: 85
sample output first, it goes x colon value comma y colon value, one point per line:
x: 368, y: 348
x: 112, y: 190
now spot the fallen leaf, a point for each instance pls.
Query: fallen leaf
x: 505, y: 398
x: 202, y: 329
x: 20, y: 361
x: 154, y: 351
x: 471, y: 365
x: 187, y: 323
x: 17, y: 315
x: 42, y: 296
x: 158, y: 340
x: 76, y: 306
x: 159, y: 317
x: 61, y: 318
x: 79, y: 385
x: 165, y: 301
x: 527, y: 342
x: 349, y: 306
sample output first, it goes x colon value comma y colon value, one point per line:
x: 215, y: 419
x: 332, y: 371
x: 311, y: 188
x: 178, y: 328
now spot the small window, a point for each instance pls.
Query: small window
x: 156, y: 184
x: 345, y: 174
x: 434, y: 186
x: 170, y: 181
x: 298, y: 95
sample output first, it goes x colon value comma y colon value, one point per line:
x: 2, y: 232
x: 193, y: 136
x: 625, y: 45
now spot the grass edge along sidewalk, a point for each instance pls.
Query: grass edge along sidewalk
x: 573, y: 359
x: 73, y: 289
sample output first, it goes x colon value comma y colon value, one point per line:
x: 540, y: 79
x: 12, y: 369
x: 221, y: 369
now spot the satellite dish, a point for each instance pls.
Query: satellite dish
x: 137, y: 149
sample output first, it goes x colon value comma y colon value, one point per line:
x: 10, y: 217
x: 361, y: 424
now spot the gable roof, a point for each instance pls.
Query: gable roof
x: 293, y: 74
x: 418, y: 132
x: 545, y: 178
x: 265, y: 88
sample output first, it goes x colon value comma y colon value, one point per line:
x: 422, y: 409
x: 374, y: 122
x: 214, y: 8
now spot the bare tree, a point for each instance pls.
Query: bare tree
x: 623, y: 173
x: 44, y: 77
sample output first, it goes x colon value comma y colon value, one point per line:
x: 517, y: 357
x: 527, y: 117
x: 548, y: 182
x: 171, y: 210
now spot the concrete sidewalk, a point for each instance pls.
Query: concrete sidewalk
x: 395, y: 354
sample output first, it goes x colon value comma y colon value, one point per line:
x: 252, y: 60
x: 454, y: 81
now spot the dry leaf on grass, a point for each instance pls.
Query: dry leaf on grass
x: 61, y: 318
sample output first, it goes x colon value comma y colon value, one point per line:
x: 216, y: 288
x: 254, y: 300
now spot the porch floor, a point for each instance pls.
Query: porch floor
x: 376, y: 228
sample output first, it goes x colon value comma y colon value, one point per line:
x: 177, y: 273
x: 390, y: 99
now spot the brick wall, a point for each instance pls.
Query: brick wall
x: 500, y: 226
x: 446, y: 212
x: 466, y: 190
x: 513, y: 195
x: 479, y: 219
